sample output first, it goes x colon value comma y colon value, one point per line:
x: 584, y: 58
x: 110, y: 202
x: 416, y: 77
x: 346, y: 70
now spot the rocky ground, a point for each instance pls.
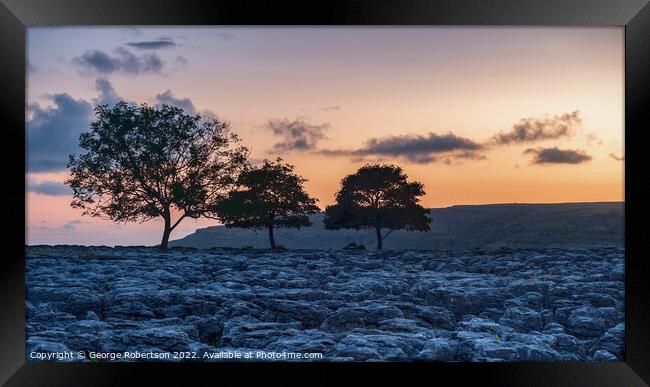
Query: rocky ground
x: 510, y: 305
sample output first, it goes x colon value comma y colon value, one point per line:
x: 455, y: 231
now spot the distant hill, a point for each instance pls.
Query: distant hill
x: 565, y: 225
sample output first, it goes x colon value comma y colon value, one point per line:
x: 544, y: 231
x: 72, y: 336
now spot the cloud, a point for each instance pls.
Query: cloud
x: 53, y: 132
x: 32, y: 69
x: 537, y: 129
x: 181, y: 63
x: 297, y: 134
x: 332, y: 108
x: 464, y: 155
x: 450, y: 148
x: 406, y: 145
x: 617, y: 157
x: 50, y: 188
x: 225, y: 35
x: 168, y: 98
x: 590, y: 138
x: 71, y: 225
x: 134, y: 31
x: 417, y: 149
x: 66, y: 227
x: 107, y: 94
x: 123, y: 61
x: 162, y: 42
x: 557, y: 156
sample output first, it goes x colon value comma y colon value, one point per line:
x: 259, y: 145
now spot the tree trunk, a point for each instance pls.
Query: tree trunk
x: 271, y: 237
x: 379, y: 238
x: 165, y: 239
x: 168, y: 230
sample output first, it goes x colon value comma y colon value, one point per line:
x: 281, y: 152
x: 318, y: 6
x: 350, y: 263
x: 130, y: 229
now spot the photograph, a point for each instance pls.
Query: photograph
x: 325, y: 194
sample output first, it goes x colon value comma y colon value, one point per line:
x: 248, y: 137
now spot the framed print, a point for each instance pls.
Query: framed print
x: 388, y: 189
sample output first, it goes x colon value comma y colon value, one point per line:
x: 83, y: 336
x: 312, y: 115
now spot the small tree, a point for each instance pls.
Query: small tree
x: 144, y: 162
x: 270, y: 196
x: 377, y: 197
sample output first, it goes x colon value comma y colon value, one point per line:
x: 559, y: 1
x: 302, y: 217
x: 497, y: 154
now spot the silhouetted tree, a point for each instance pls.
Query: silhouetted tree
x: 143, y: 162
x: 377, y: 197
x: 269, y: 196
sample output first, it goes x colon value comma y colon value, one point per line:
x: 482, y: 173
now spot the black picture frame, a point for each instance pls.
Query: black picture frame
x: 16, y: 15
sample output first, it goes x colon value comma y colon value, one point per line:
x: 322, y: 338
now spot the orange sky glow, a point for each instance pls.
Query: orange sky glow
x: 432, y: 100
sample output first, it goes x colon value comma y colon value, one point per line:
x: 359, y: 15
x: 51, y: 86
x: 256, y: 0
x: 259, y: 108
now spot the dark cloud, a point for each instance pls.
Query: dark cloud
x: 450, y: 148
x: 163, y: 42
x: 617, y: 157
x: 537, y: 129
x: 297, y: 134
x: 123, y: 61
x: 51, y: 188
x: 417, y: 148
x: 557, y: 156
x: 336, y: 152
x: 53, y: 132
x: 421, y: 149
x: 107, y: 94
x: 168, y: 98
x: 418, y: 144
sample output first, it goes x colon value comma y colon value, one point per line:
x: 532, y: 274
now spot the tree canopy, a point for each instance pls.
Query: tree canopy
x: 268, y: 196
x: 378, y: 197
x: 144, y: 162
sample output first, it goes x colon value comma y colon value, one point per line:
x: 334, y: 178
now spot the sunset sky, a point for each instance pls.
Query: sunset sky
x: 479, y: 115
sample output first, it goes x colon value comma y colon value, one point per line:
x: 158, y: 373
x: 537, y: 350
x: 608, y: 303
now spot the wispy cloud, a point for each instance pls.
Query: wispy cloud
x: 592, y: 138
x: 332, y: 108
x: 132, y: 31
x: 225, y: 35
x: 533, y: 129
x: 181, y: 63
x: 162, y: 42
x: 298, y: 134
x: 50, y: 188
x: 558, y: 156
x: 617, y: 157
x: 72, y: 225
x: 32, y: 69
